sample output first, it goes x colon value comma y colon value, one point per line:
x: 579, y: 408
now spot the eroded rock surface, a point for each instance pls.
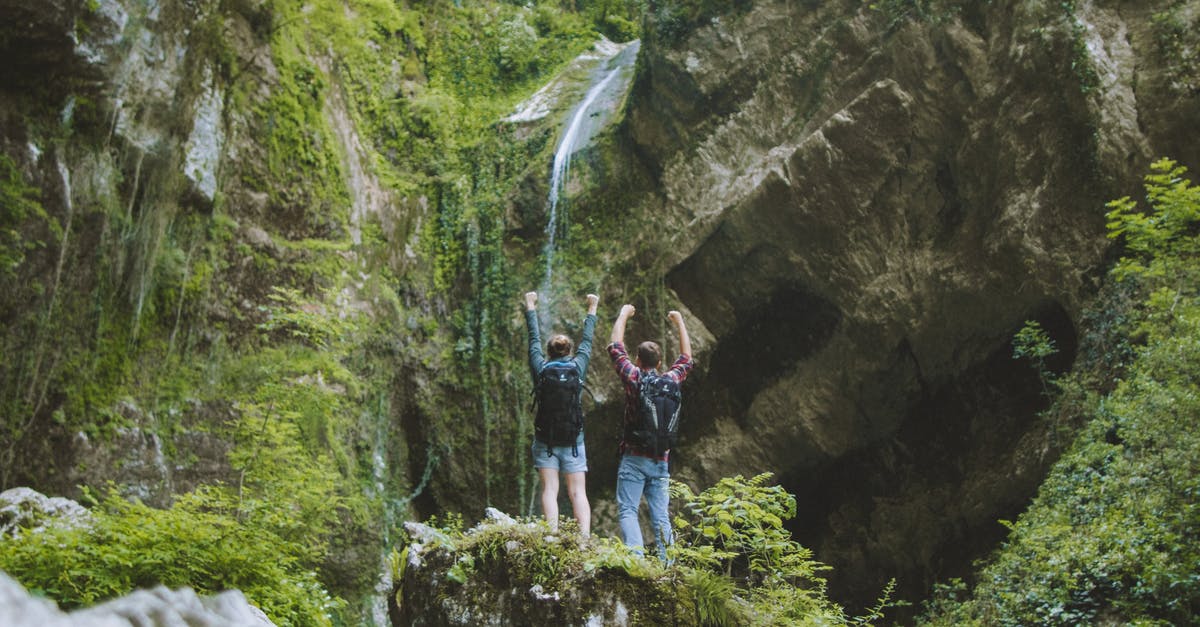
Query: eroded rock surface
x: 861, y: 214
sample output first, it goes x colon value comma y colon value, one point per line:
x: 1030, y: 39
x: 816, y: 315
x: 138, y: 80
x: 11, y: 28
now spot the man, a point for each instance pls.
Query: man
x: 558, y: 440
x: 643, y: 468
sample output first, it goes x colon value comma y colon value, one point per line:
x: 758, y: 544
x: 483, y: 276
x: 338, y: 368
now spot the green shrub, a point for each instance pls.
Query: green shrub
x: 735, y: 530
x: 1034, y: 344
x: 1111, y: 537
x: 205, y: 541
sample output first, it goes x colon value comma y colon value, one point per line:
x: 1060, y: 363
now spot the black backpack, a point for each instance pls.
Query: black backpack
x: 559, y: 417
x: 657, y: 423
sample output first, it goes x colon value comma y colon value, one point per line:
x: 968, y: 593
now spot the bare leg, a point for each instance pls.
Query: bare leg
x: 549, y: 478
x: 576, y: 490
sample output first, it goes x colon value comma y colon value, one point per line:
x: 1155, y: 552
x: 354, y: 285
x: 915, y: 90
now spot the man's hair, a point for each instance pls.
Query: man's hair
x: 559, y: 346
x: 649, y: 355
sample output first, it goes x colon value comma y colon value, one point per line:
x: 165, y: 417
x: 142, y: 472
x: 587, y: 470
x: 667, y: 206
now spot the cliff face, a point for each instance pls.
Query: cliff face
x: 860, y: 208
x: 856, y: 209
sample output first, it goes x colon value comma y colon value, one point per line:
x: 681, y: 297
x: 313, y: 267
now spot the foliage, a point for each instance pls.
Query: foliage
x: 18, y: 204
x: 733, y: 563
x: 302, y: 320
x: 490, y: 54
x: 1161, y: 243
x: 1033, y: 343
x: 735, y: 529
x: 1081, y: 58
x: 742, y: 523
x: 1111, y: 536
x: 208, y: 541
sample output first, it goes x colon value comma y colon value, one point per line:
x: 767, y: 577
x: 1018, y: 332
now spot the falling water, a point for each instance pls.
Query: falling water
x: 567, y: 146
x: 65, y: 176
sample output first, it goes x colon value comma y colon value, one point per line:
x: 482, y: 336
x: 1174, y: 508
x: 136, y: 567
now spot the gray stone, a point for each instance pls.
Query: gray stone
x: 159, y: 607
x: 27, y: 509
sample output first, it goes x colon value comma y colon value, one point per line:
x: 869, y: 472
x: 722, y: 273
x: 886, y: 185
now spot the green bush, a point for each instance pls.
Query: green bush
x: 206, y: 541
x: 735, y: 530
x: 1111, y: 537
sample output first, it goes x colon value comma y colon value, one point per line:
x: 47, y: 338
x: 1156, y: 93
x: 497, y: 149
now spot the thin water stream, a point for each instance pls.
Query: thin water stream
x: 609, y: 82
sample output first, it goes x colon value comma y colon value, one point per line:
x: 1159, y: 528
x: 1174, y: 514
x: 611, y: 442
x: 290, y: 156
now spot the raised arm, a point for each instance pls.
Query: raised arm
x: 583, y: 354
x: 685, y: 343
x: 618, y: 331
x: 536, y: 357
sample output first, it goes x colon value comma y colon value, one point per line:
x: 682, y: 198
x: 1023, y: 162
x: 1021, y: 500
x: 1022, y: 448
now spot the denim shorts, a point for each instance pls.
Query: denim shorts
x: 561, y: 458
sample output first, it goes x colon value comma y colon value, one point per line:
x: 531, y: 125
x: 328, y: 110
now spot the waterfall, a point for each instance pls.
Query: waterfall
x: 65, y: 177
x: 618, y: 59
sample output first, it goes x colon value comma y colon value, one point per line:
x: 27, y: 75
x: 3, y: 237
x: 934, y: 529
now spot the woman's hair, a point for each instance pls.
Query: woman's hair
x: 559, y: 346
x: 649, y: 355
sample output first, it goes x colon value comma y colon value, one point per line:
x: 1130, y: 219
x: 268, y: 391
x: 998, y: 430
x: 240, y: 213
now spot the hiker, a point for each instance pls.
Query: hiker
x: 646, y: 440
x: 558, y: 425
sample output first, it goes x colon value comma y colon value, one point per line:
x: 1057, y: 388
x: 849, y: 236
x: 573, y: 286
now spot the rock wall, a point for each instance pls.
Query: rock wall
x: 859, y: 209
x: 441, y: 584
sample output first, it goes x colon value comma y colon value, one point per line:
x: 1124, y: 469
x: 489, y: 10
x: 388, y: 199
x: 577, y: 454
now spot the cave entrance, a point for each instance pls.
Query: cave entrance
x: 923, y: 504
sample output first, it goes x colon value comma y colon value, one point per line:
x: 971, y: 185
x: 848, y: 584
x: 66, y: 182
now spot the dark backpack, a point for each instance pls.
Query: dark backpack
x: 657, y: 423
x: 559, y: 417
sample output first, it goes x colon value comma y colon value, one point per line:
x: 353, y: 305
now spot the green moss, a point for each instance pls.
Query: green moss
x: 774, y: 584
x: 23, y: 221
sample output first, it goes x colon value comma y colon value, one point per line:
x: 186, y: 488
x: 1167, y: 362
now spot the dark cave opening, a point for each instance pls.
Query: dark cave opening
x: 924, y: 503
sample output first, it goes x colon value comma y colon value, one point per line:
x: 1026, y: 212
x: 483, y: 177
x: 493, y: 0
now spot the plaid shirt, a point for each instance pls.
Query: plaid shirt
x: 630, y: 375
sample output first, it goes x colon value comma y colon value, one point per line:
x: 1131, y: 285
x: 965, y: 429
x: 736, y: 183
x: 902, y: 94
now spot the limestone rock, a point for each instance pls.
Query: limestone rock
x: 862, y: 213
x: 25, y: 508
x: 491, y: 589
x: 159, y: 607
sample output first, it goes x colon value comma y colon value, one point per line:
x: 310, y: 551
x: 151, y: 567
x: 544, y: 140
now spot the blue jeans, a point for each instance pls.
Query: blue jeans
x: 636, y: 476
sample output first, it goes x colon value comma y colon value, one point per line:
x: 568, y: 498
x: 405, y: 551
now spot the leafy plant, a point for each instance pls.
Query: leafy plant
x: 1111, y: 537
x: 205, y: 541
x: 735, y: 528
x: 1160, y: 240
x: 301, y: 318
x: 1033, y: 343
